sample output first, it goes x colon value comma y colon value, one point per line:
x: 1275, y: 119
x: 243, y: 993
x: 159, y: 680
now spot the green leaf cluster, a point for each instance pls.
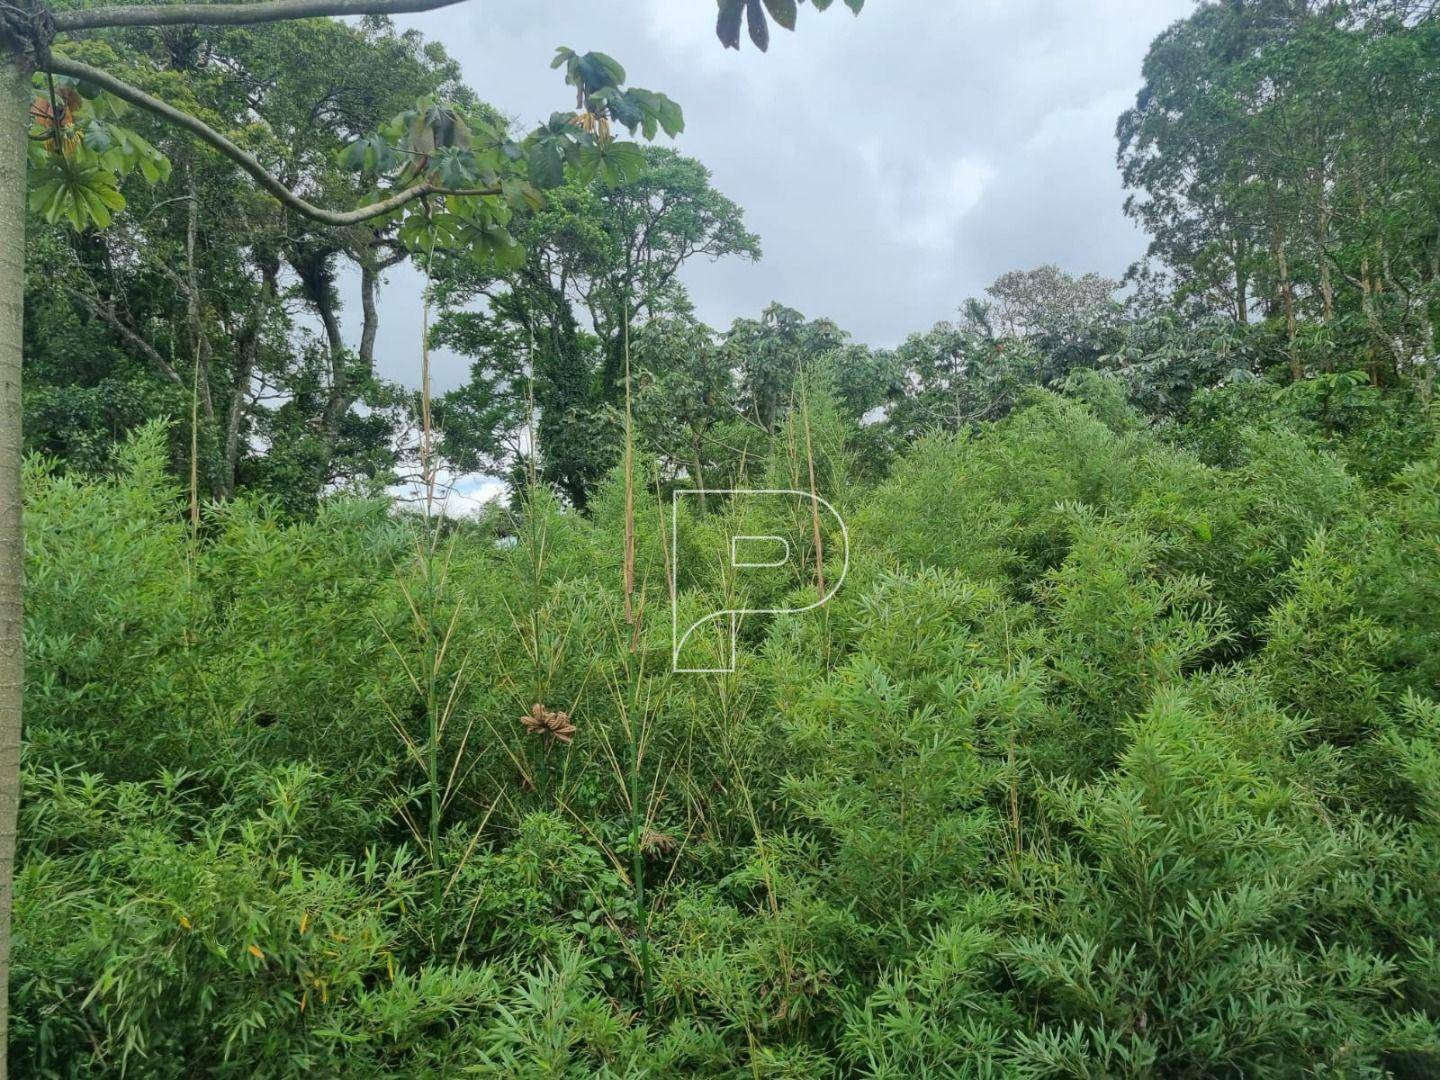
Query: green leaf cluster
x: 1125, y: 770
x: 79, y: 154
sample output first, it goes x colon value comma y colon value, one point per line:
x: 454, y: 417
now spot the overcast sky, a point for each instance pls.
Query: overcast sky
x: 892, y: 164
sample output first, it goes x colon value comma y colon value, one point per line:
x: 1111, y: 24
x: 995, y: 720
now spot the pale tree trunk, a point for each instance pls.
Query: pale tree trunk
x: 1287, y: 296
x: 248, y: 350
x: 1425, y: 384
x: 1369, y: 287
x: 14, y: 127
x: 1242, y: 280
x: 1322, y: 243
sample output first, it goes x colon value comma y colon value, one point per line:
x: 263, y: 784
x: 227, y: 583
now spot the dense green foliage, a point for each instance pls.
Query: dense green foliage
x: 1283, y: 153
x: 1130, y: 767
x: 1117, y: 753
x: 217, y: 292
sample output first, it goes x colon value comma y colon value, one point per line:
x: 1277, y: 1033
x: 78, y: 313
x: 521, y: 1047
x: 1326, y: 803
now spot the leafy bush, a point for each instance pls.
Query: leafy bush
x: 1116, y: 754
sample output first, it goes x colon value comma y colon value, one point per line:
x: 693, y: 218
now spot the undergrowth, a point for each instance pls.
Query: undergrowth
x: 1114, y: 756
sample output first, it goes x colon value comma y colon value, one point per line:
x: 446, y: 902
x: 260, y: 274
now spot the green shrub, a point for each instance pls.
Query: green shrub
x: 1116, y: 755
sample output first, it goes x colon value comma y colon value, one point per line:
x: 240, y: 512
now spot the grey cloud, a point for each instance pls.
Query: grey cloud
x: 892, y: 164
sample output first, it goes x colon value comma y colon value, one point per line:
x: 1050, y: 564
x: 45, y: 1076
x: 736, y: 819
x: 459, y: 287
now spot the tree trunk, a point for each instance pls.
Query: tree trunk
x: 1322, y: 241
x: 370, y: 314
x: 248, y: 350
x: 14, y: 128
x: 1242, y: 296
x: 337, y: 403
x: 1425, y: 384
x: 1368, y: 289
x: 1287, y: 297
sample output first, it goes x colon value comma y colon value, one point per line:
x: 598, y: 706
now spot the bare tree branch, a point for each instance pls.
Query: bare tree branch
x: 63, y: 66
x: 233, y: 14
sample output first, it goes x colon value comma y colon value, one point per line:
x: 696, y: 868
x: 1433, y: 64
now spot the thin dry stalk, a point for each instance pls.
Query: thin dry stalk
x: 664, y: 534
x: 629, y: 573
x: 469, y: 850
x: 427, y: 461
x: 530, y: 410
x: 814, y: 493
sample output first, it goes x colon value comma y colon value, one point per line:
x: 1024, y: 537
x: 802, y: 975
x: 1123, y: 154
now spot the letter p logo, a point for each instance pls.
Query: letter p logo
x: 771, y: 551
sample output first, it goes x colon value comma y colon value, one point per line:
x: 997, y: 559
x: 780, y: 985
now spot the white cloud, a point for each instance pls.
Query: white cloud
x: 456, y: 496
x: 893, y: 164
x: 925, y: 202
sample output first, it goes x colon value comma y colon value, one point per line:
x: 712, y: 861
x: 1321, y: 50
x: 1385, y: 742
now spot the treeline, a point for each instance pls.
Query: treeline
x: 1283, y: 155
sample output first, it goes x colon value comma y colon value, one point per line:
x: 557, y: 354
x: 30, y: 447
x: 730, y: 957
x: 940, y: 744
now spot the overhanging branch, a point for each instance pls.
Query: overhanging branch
x: 139, y: 98
x: 233, y: 14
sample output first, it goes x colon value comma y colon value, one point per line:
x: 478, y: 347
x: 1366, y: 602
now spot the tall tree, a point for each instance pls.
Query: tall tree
x: 769, y: 355
x: 1032, y: 328
x: 1284, y: 155
x: 1071, y: 320
x: 214, y: 307
x: 601, y: 261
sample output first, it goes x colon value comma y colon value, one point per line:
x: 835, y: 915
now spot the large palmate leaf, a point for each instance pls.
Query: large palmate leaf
x: 551, y: 147
x: 78, y: 154
x: 612, y: 162
x: 522, y: 195
x: 457, y: 168
x: 658, y: 111
x: 127, y: 151
x: 479, y: 231
x: 83, y: 195
x: 372, y: 155
x: 782, y: 11
x: 602, y: 98
x: 588, y: 72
